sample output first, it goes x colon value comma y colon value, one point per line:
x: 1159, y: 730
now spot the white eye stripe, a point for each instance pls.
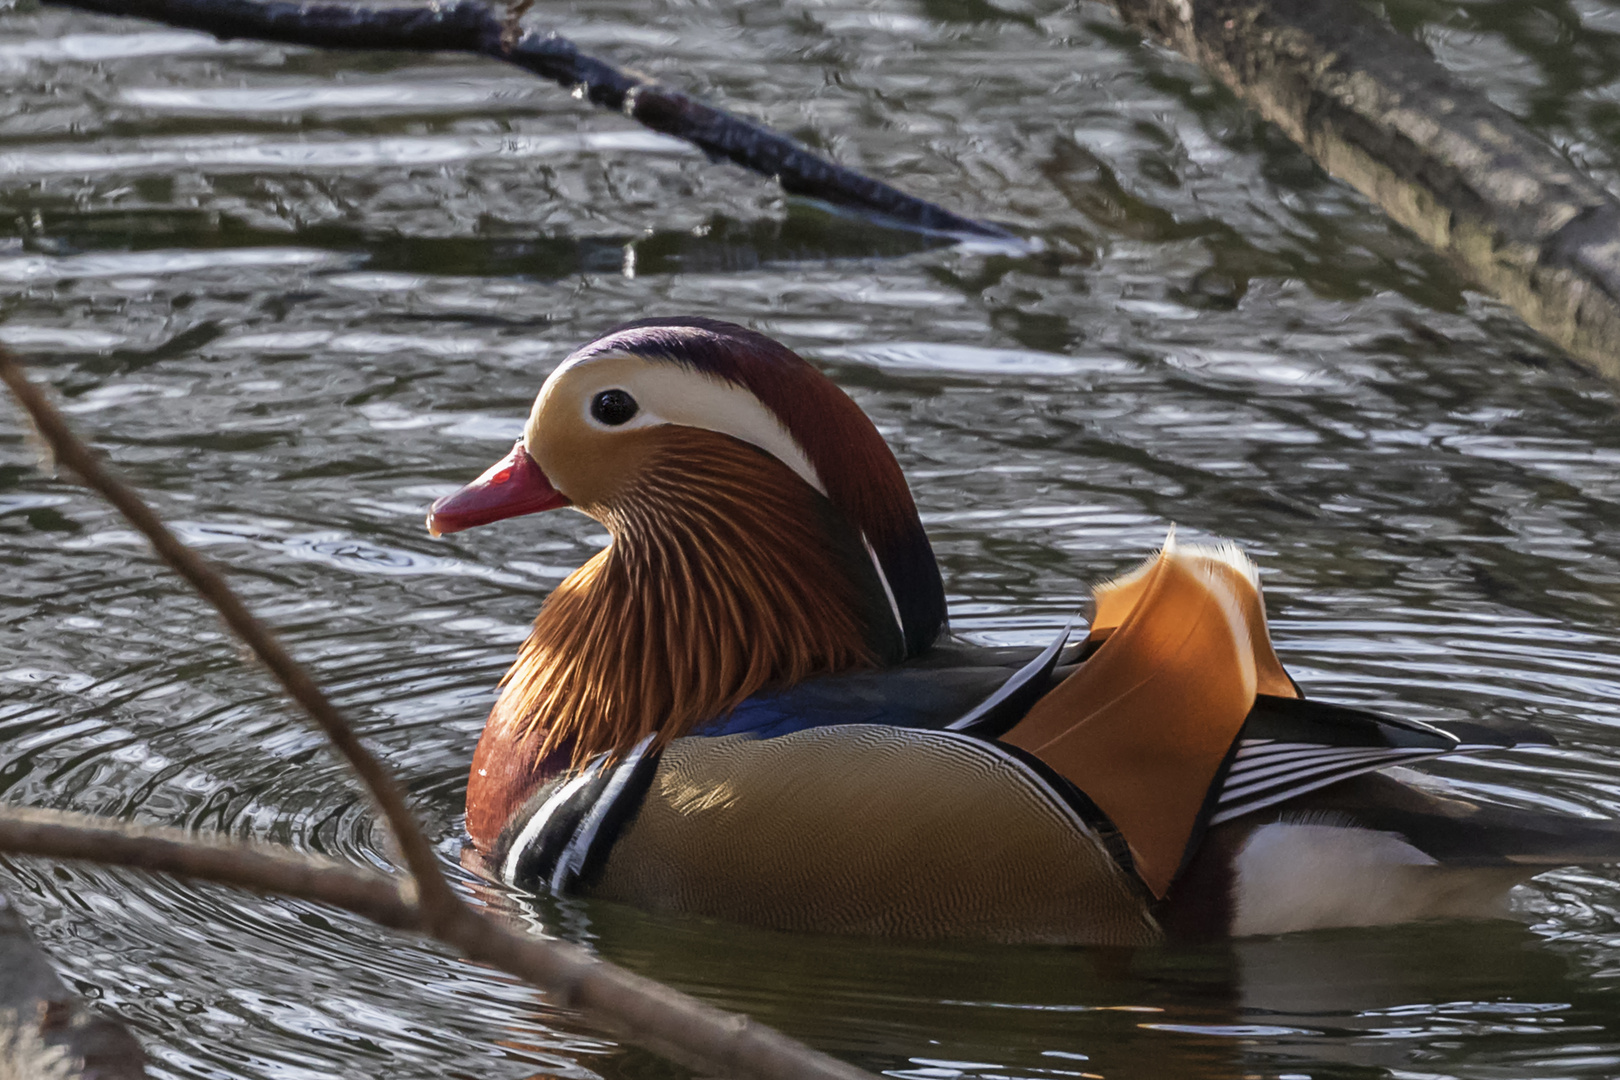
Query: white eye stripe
x: 671, y: 394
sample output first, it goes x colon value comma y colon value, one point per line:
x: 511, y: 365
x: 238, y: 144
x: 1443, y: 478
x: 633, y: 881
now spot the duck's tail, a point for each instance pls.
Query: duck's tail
x: 1146, y: 725
x: 1391, y: 847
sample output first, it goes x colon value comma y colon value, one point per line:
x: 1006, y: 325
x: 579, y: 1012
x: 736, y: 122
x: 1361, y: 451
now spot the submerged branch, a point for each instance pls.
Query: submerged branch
x: 636, y: 1009
x: 482, y: 27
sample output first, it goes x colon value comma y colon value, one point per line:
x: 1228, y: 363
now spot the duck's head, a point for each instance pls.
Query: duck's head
x: 625, y: 430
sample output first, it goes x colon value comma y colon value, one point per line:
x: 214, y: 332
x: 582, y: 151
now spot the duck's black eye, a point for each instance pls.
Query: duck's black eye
x: 614, y: 407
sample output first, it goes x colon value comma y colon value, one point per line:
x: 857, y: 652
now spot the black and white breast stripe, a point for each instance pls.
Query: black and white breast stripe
x: 575, y: 821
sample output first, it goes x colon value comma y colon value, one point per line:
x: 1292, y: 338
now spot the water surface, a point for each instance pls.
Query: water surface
x: 295, y: 296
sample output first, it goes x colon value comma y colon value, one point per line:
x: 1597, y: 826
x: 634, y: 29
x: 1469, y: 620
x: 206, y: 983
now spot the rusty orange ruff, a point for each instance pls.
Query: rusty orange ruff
x: 860, y: 474
x: 727, y: 574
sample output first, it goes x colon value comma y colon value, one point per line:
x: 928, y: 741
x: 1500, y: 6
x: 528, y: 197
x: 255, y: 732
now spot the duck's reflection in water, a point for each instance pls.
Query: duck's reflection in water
x: 1458, y: 998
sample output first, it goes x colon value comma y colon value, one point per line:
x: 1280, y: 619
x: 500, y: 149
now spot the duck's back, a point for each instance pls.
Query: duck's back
x: 824, y: 831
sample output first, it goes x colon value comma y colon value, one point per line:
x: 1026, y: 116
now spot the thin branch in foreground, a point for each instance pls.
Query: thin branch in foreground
x: 438, y: 900
x: 58, y: 834
x: 484, y: 28
x: 634, y: 1008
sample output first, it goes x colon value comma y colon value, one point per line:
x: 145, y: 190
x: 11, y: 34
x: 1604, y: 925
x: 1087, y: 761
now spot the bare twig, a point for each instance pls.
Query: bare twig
x: 61, y: 835
x: 637, y: 1009
x: 439, y: 902
x: 484, y: 27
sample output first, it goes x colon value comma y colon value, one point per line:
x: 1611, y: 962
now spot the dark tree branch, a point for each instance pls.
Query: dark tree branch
x: 637, y: 1009
x: 482, y: 27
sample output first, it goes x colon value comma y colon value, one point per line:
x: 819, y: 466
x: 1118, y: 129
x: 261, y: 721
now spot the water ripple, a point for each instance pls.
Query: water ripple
x: 296, y: 295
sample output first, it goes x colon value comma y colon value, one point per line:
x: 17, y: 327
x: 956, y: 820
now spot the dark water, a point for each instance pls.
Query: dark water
x: 295, y: 296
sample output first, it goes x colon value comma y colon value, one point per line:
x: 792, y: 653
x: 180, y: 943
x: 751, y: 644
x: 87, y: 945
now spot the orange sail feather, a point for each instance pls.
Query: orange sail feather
x: 1144, y: 725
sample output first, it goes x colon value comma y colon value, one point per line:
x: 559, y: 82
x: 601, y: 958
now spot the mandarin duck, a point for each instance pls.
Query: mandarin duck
x: 747, y: 706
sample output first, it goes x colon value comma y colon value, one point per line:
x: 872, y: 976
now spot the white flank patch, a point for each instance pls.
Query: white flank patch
x: 1310, y: 876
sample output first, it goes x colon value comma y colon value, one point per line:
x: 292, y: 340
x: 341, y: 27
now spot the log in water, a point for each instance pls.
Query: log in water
x: 1377, y: 111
